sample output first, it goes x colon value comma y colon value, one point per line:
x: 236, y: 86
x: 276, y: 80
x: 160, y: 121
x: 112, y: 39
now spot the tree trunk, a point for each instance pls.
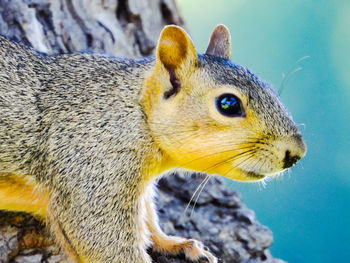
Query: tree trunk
x: 127, y: 28
x: 116, y: 27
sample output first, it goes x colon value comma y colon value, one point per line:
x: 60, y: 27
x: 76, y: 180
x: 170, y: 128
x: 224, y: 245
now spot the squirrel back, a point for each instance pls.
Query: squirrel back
x: 86, y: 136
x: 20, y: 68
x: 65, y: 99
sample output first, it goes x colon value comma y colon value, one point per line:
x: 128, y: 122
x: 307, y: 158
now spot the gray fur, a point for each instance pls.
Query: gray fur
x: 65, y: 119
x: 275, y: 117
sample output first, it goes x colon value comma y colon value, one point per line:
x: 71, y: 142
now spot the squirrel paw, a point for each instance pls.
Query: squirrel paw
x: 195, y: 251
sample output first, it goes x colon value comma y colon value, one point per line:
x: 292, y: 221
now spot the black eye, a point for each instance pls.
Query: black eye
x: 229, y: 105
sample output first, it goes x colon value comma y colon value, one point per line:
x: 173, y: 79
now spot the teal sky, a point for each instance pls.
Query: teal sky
x: 308, y: 210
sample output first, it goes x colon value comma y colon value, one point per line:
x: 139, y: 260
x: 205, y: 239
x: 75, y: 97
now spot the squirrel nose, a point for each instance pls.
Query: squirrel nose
x: 289, y: 159
x: 292, y: 157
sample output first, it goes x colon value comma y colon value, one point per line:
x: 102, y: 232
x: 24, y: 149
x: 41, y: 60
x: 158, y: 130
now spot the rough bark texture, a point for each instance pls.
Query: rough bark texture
x: 116, y: 27
x: 125, y: 28
x: 219, y: 219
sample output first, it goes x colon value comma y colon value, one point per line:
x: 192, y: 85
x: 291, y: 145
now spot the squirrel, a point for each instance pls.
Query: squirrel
x: 84, y: 138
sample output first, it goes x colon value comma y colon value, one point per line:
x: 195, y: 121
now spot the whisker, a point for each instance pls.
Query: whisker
x: 243, y: 161
x: 301, y: 59
x: 207, y: 178
x: 232, y: 149
x: 262, y: 163
x: 186, y: 140
x: 302, y: 125
x: 286, y: 77
x: 212, y: 154
x: 262, y: 183
x: 235, y: 157
x: 255, y: 164
x: 195, y: 192
x: 247, y: 158
x: 203, y: 186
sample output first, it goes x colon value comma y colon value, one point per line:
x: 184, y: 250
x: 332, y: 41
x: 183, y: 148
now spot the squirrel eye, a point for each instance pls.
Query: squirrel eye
x: 229, y: 105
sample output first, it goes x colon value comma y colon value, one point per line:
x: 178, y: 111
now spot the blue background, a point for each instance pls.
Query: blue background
x: 308, y: 210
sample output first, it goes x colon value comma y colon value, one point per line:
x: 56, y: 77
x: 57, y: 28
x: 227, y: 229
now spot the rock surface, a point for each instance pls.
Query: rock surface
x: 220, y: 220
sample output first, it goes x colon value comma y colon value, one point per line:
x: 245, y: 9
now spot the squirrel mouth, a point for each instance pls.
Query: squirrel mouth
x: 254, y: 176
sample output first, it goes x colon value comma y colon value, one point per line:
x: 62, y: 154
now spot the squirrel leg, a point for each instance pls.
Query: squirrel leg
x: 139, y: 256
x: 92, y: 244
x: 193, y: 249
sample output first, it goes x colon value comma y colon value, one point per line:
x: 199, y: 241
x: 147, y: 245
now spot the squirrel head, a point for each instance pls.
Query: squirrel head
x: 211, y: 115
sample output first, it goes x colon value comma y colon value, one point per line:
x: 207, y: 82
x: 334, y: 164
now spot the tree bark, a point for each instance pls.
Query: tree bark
x: 127, y: 28
x: 117, y: 27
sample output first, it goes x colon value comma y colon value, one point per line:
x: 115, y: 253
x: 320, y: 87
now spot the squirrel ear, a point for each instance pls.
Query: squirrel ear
x: 175, y: 49
x: 220, y: 42
x: 177, y: 54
